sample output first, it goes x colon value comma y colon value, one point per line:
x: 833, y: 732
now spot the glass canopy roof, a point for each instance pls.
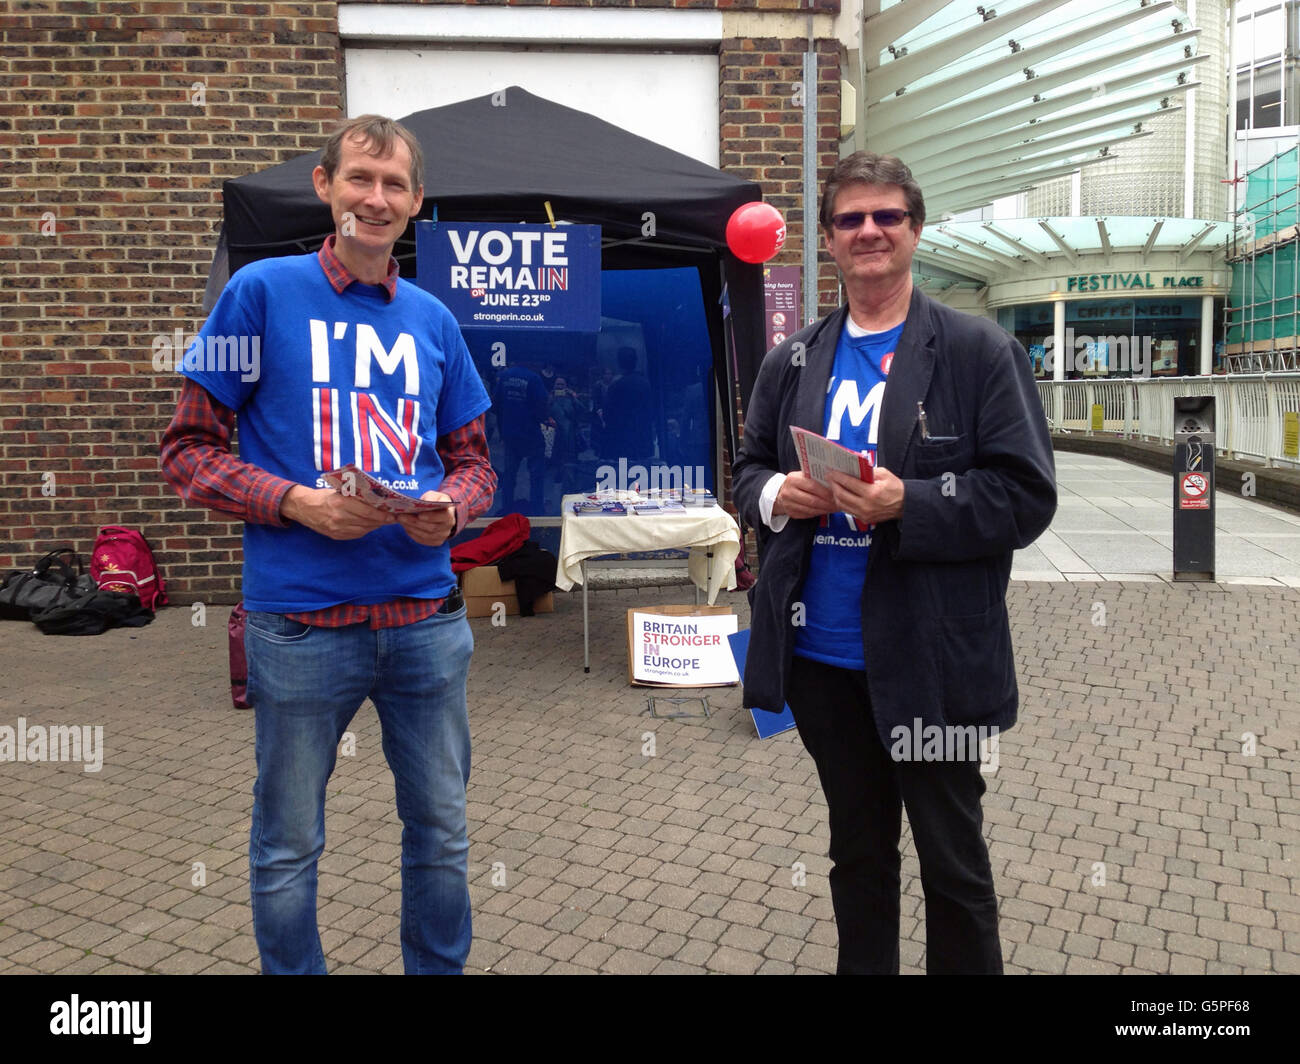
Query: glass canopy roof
x: 985, y: 250
x: 985, y: 101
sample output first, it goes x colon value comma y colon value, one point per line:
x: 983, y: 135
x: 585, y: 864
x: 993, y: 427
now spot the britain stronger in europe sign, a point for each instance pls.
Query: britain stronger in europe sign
x: 493, y: 275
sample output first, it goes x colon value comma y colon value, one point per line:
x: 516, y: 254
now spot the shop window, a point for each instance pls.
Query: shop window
x: 1114, y: 337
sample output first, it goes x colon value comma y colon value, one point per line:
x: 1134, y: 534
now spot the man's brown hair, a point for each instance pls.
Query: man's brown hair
x: 868, y: 168
x: 381, y: 135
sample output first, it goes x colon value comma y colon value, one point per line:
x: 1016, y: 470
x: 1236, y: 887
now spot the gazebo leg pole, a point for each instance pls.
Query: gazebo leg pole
x: 586, y: 651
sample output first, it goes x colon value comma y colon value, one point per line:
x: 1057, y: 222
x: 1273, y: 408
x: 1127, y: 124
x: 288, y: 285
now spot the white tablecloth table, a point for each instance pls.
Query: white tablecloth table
x: 709, y: 532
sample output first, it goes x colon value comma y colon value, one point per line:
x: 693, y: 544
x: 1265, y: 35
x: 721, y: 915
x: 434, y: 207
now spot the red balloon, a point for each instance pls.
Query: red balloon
x: 755, y: 232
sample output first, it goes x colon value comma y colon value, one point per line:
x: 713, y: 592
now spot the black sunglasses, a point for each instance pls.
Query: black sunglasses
x: 885, y: 219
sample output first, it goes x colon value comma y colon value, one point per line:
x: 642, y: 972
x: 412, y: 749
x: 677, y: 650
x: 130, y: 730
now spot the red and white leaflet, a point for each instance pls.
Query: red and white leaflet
x: 819, y: 457
x: 355, y: 481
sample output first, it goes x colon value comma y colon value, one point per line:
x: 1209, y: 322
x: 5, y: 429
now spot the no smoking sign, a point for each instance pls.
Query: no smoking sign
x: 1193, y: 491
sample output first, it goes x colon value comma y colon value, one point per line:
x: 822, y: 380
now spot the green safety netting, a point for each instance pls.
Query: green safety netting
x: 1263, y: 299
x: 1273, y: 194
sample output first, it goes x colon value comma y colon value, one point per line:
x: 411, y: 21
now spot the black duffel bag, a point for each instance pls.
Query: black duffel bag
x: 58, y: 578
x: 91, y: 613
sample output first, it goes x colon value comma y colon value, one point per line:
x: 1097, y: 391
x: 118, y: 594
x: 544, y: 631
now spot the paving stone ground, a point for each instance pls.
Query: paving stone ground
x: 1131, y: 827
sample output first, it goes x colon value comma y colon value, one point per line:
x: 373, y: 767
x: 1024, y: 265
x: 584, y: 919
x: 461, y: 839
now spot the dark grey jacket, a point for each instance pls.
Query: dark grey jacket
x: 934, y: 621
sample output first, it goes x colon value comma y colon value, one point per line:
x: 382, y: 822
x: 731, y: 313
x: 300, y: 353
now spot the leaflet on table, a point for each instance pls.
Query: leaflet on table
x: 654, y: 507
x: 592, y: 508
x: 818, y: 457
x: 610, y: 495
x: 651, y: 502
x: 355, y: 481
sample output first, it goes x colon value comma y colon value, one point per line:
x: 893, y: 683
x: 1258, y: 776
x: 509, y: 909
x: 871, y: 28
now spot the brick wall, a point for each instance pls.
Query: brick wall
x: 762, y: 131
x: 762, y: 138
x: 118, y: 123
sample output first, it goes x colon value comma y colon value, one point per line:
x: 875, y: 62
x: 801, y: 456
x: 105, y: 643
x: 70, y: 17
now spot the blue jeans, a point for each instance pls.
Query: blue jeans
x: 306, y: 685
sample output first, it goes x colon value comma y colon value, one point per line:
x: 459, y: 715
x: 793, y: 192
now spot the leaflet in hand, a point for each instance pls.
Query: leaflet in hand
x: 818, y: 457
x: 355, y: 481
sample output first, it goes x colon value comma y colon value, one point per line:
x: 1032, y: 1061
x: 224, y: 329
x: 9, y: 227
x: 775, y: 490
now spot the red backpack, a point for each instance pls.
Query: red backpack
x: 122, y: 561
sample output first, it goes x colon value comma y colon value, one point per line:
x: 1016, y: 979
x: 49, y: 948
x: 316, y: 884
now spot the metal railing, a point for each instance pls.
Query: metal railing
x: 1249, y: 409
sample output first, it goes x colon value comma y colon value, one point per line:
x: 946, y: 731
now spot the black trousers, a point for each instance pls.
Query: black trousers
x: 866, y: 791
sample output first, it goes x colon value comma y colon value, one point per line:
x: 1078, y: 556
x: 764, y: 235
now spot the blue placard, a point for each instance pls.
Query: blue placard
x: 765, y: 723
x: 492, y: 275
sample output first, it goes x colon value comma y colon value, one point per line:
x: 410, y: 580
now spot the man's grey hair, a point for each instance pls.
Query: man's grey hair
x: 868, y: 168
x: 381, y: 135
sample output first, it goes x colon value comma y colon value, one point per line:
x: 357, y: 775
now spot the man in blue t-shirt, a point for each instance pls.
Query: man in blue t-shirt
x: 879, y: 614
x: 329, y: 360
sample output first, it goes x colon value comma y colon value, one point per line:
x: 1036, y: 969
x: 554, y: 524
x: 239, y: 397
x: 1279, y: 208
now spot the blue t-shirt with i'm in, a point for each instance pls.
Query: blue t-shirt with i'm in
x: 337, y: 378
x: 832, y: 591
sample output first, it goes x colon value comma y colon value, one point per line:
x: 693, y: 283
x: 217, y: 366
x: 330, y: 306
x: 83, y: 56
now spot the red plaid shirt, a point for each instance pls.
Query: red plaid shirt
x: 197, y: 462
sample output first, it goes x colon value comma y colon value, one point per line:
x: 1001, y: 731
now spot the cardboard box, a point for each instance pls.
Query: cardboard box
x: 483, y: 588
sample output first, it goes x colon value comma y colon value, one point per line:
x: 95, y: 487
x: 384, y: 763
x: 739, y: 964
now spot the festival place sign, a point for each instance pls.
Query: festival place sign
x: 493, y: 275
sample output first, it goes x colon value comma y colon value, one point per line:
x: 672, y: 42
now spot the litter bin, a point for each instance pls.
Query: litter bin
x: 1194, y: 487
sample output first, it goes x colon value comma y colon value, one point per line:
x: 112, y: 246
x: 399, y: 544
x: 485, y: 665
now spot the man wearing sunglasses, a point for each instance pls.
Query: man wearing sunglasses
x: 879, y: 614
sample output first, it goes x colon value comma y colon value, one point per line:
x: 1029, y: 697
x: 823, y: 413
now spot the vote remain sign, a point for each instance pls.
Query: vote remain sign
x: 497, y: 276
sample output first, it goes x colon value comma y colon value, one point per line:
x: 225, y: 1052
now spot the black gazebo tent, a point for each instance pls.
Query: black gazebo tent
x: 500, y: 158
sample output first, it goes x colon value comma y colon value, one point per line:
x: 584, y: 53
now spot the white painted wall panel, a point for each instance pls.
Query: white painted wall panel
x: 536, y: 25
x: 668, y: 98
